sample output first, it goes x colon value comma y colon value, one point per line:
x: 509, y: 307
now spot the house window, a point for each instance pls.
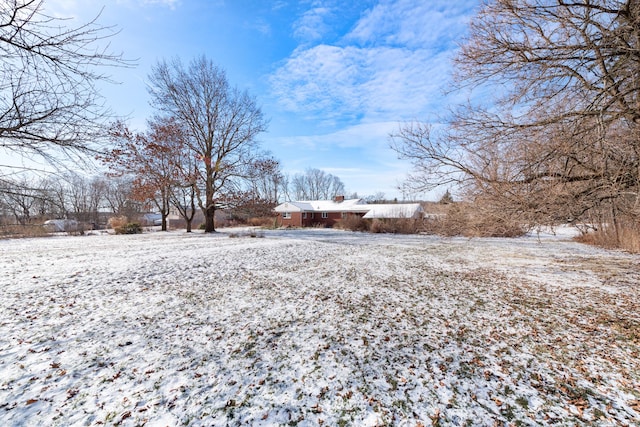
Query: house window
x: 286, y: 215
x: 325, y: 215
x: 304, y: 215
x: 344, y: 215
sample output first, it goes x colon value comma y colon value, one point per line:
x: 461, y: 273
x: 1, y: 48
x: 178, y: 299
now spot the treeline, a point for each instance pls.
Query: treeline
x: 88, y: 200
x: 91, y: 200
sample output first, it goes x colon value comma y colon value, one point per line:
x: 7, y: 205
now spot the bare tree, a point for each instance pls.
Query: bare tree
x: 183, y: 198
x: 378, y: 197
x: 79, y: 195
x: 49, y: 101
x: 558, y: 141
x: 98, y: 187
x: 222, y: 123
x: 22, y: 197
x: 259, y: 193
x: 153, y: 159
x: 57, y: 195
x: 82, y: 196
x: 266, y: 180
x: 316, y: 184
x: 67, y: 195
x: 119, y: 197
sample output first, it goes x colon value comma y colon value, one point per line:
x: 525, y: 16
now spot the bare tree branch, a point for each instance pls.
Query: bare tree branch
x: 558, y: 140
x: 49, y: 101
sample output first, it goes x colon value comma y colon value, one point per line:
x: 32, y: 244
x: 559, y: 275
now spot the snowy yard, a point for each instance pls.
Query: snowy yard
x: 317, y: 327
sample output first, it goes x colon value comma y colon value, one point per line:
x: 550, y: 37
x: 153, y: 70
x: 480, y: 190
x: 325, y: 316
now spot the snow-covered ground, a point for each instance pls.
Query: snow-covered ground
x: 317, y: 327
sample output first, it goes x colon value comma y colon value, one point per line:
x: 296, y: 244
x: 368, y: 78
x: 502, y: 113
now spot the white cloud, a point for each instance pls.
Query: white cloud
x: 279, y: 4
x: 312, y: 25
x: 393, y: 65
x: 364, y: 135
x: 434, y: 24
x: 380, y: 82
x: 260, y: 25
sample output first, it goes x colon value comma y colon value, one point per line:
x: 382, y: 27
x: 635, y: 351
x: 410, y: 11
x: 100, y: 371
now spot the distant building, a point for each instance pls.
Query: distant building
x: 61, y: 225
x: 326, y: 213
x: 150, y: 219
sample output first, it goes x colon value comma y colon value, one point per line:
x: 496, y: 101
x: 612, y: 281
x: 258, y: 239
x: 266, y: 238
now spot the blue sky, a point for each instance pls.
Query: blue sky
x: 333, y: 77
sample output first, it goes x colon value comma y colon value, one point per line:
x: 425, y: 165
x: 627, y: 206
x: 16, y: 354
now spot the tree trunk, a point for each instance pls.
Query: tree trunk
x: 616, y: 223
x: 209, y: 214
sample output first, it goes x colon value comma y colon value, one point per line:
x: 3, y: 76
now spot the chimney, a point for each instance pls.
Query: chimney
x: 338, y: 199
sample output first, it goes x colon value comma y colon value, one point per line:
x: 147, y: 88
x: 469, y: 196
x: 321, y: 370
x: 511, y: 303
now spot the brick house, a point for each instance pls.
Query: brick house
x: 326, y: 213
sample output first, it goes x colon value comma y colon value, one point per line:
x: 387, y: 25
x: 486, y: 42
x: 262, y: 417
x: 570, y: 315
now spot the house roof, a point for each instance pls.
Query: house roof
x: 400, y: 210
x: 351, y: 205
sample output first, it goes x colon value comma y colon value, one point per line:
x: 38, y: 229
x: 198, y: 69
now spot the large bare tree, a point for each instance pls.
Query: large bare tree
x: 49, y: 99
x: 551, y: 132
x: 222, y: 123
x: 316, y: 184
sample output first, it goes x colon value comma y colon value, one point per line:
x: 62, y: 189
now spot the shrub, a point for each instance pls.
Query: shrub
x: 263, y: 221
x: 630, y: 240
x: 23, y: 231
x: 456, y: 221
x: 377, y: 226
x: 432, y: 225
x: 117, y: 221
x: 129, y: 228
x: 627, y: 239
x: 491, y: 225
x: 354, y: 223
x: 469, y: 220
x: 226, y: 223
x: 396, y: 225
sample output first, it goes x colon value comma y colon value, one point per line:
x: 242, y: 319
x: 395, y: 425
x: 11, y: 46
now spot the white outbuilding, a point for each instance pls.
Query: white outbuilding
x: 391, y: 211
